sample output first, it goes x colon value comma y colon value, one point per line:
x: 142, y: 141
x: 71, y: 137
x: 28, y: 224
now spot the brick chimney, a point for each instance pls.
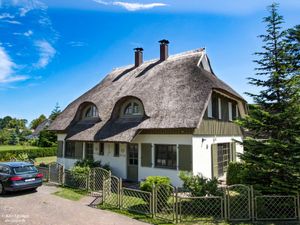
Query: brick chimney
x: 164, y: 50
x: 138, y: 56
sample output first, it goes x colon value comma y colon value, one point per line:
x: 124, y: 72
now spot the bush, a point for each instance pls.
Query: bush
x: 151, y: 181
x: 6, y: 155
x: 91, y: 164
x: 80, y: 172
x: 163, y: 187
x: 236, y: 173
x: 200, y: 186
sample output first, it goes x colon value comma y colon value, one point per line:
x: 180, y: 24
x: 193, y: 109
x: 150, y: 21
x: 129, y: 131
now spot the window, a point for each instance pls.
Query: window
x: 117, y: 150
x: 165, y: 156
x: 4, y: 169
x: 223, y: 158
x: 230, y: 115
x: 90, y: 112
x: 70, y: 150
x: 219, y: 109
x: 24, y: 169
x: 209, y: 109
x: 132, y: 108
x: 101, y: 149
x: 89, y: 151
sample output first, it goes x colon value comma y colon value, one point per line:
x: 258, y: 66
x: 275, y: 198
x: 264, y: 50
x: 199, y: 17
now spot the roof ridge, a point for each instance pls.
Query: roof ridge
x: 175, y: 56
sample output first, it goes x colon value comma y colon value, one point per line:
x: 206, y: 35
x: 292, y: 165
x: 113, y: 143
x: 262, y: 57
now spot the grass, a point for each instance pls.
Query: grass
x: 16, y: 147
x: 70, y: 193
x: 155, y: 221
x: 46, y: 160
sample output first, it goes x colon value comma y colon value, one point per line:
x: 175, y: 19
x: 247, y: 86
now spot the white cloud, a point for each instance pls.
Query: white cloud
x: 6, y: 16
x: 77, y: 43
x: 137, y: 6
x: 7, y: 68
x: 11, y: 21
x: 102, y: 2
x: 46, y: 52
x: 132, y: 6
x: 26, y: 34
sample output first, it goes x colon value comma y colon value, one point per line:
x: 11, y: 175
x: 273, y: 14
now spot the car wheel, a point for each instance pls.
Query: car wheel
x: 2, y: 190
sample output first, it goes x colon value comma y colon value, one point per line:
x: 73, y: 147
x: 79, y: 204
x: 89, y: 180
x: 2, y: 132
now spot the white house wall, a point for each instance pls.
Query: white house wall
x: 202, y: 161
x: 144, y: 172
x: 68, y: 163
x: 118, y: 164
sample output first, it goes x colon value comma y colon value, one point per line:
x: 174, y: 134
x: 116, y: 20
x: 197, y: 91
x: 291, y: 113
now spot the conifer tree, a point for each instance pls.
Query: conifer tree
x: 272, y: 154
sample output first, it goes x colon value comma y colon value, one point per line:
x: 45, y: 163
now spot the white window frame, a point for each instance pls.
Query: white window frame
x: 209, y: 109
x: 230, y: 111
x: 220, y: 108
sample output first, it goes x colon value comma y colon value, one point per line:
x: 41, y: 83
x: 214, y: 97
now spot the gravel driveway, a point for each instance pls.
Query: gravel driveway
x: 43, y: 208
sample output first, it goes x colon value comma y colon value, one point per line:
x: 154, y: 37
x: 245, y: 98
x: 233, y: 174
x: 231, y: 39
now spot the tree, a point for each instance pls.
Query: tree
x: 55, y: 112
x: 47, y: 139
x: 274, y: 121
x: 34, y: 123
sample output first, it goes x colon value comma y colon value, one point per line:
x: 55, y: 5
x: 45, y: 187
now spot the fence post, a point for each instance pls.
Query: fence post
x: 298, y: 205
x: 49, y: 168
x: 88, y: 181
x: 119, y: 192
x: 225, y: 204
x: 252, y: 203
x: 153, y: 201
x: 176, y: 205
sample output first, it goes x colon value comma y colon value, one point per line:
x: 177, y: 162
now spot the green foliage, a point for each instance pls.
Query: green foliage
x: 163, y: 189
x: 55, y: 112
x: 14, y: 139
x: 80, y: 172
x: 6, y: 155
x: 151, y: 181
x: 236, y: 173
x: 272, y: 154
x: 47, y: 138
x: 91, y: 164
x: 22, y: 157
x: 34, y: 123
x: 198, y: 185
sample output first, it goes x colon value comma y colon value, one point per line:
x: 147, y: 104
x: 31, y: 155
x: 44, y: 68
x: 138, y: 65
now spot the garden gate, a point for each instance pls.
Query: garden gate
x: 56, y: 171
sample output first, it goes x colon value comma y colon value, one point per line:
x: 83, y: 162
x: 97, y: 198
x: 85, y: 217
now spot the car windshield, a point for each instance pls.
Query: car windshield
x: 24, y: 169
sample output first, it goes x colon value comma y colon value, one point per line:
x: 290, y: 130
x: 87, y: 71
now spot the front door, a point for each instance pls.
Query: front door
x: 132, y: 162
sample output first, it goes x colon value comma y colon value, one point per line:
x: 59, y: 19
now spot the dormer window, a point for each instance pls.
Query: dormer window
x: 131, y: 108
x: 90, y: 112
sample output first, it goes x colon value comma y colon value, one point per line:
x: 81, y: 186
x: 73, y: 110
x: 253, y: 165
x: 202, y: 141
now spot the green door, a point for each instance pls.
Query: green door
x: 132, y: 162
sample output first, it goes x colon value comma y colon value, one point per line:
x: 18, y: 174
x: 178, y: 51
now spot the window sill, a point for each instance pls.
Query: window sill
x: 163, y: 167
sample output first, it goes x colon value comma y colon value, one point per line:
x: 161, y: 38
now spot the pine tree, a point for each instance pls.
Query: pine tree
x: 273, y: 152
x: 55, y: 112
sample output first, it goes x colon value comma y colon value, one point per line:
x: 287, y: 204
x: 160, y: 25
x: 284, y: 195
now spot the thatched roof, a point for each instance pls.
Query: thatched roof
x: 174, y: 94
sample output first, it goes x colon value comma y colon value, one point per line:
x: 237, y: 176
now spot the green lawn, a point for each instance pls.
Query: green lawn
x: 70, y: 193
x: 16, y: 147
x: 46, y: 160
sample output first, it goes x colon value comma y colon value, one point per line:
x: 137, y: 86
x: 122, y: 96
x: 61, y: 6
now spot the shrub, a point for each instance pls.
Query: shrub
x: 91, y: 164
x: 163, y: 187
x: 80, y: 172
x: 235, y: 173
x: 199, y: 185
x: 154, y: 181
x: 6, y: 155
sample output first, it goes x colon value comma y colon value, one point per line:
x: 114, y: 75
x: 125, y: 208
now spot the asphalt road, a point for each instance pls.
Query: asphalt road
x: 43, y: 208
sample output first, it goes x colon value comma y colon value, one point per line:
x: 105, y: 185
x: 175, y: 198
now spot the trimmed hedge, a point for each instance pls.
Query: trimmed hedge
x: 7, y: 155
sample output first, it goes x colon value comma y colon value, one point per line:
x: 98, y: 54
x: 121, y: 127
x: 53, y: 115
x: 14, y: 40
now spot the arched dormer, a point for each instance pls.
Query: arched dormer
x: 87, y: 111
x: 129, y: 107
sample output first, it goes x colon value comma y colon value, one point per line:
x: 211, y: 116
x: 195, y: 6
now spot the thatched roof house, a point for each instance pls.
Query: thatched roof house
x: 174, y: 94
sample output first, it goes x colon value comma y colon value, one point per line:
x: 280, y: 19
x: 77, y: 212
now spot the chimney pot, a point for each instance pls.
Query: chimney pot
x: 138, y: 57
x: 164, y: 49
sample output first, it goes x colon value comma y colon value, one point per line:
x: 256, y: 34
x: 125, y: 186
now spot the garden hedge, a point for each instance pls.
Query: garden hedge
x: 7, y: 155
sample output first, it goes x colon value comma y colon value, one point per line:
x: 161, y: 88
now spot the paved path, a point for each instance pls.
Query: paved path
x: 43, y: 208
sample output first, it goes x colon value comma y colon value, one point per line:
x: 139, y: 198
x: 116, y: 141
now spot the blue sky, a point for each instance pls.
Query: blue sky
x: 54, y: 50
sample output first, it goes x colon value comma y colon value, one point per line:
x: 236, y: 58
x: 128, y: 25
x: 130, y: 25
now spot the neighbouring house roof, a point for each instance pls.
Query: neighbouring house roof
x: 174, y: 94
x: 42, y: 126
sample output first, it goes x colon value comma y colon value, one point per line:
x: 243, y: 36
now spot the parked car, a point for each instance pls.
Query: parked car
x: 15, y: 176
